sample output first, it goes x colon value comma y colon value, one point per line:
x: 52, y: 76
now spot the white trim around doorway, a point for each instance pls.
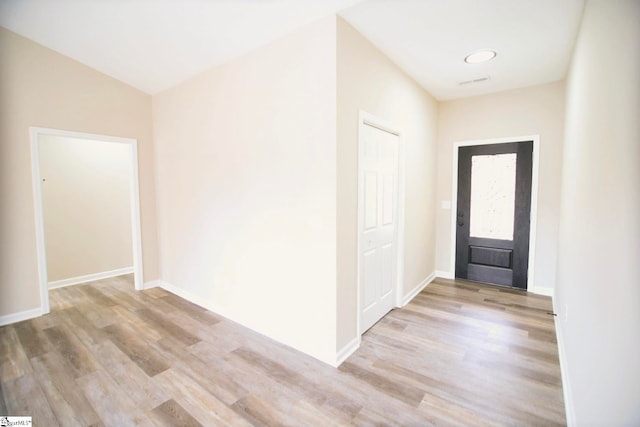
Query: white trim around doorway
x: 35, y: 133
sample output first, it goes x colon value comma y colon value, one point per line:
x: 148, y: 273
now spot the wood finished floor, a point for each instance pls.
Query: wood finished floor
x: 458, y: 354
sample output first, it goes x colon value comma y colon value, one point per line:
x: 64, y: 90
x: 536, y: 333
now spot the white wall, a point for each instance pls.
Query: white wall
x: 246, y: 186
x: 86, y: 205
x: 369, y: 81
x: 537, y: 110
x: 598, y: 281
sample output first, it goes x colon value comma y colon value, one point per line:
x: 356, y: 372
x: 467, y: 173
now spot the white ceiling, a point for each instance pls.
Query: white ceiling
x: 429, y: 39
x: 155, y: 44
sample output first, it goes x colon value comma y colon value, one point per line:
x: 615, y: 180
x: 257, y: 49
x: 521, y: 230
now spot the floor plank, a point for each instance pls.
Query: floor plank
x: 136, y: 384
x: 201, y: 404
x: 138, y: 351
x: 110, y: 401
x: 24, y: 397
x: 171, y: 414
x: 71, y: 349
x: 13, y: 359
x: 3, y: 404
x: 166, y: 326
x: 69, y: 405
x: 33, y: 340
x: 460, y: 353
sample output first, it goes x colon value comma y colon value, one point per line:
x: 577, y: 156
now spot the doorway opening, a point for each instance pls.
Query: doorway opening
x: 494, y: 204
x: 110, y: 166
x: 380, y: 220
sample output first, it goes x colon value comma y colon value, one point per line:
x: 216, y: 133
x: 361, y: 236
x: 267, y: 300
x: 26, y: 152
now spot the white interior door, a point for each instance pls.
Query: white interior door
x: 378, y: 197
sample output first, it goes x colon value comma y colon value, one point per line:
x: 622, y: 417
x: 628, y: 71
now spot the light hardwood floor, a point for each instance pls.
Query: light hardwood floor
x: 458, y: 354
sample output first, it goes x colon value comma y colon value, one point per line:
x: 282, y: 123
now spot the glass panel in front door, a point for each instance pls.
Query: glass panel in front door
x: 493, y: 189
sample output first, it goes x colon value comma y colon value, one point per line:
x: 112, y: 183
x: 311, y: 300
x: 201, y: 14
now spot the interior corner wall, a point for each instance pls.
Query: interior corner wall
x: 367, y: 80
x: 39, y: 87
x: 86, y: 203
x: 536, y: 110
x: 598, y: 281
x: 246, y: 188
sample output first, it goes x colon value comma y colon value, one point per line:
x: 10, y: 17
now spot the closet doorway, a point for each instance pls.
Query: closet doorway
x: 87, y: 209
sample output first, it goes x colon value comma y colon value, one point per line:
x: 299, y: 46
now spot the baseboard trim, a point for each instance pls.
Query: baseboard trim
x: 329, y: 359
x: 8, y: 319
x: 540, y: 290
x: 564, y: 371
x: 445, y: 274
x: 186, y: 295
x: 90, y: 277
x: 347, y: 351
x: 411, y: 295
x: 152, y: 284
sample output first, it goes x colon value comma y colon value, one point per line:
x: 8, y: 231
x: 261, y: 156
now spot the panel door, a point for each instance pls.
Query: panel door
x: 493, y: 217
x: 378, y: 182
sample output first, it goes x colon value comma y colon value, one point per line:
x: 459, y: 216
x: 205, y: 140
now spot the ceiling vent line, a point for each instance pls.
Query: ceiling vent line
x: 476, y: 80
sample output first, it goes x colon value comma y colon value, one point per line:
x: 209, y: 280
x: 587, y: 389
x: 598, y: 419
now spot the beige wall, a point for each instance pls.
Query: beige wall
x: 246, y: 182
x: 537, y: 110
x: 39, y: 87
x: 367, y: 80
x: 86, y: 206
x: 598, y: 282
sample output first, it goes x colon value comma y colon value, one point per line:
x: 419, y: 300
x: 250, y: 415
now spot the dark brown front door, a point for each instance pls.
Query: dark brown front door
x: 493, y: 213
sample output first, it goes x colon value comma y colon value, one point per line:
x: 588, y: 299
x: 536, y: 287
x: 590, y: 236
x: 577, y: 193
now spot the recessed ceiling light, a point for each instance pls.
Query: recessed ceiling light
x: 480, y: 56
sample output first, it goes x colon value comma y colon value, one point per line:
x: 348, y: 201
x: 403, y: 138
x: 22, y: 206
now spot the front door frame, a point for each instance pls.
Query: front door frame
x: 534, y: 198
x: 367, y: 119
x: 136, y: 234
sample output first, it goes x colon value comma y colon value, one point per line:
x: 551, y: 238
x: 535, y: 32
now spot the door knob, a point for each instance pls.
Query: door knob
x: 460, y: 223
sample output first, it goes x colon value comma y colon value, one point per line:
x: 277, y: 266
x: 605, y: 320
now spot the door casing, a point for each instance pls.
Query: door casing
x: 367, y: 119
x: 534, y: 201
x: 136, y: 235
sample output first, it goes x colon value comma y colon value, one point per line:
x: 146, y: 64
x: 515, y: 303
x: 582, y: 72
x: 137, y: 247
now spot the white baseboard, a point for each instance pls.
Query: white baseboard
x: 209, y: 305
x: 347, y: 351
x: 540, y: 290
x: 8, y: 319
x: 90, y: 277
x: 186, y: 295
x: 152, y: 284
x: 445, y: 274
x: 411, y: 295
x: 564, y: 371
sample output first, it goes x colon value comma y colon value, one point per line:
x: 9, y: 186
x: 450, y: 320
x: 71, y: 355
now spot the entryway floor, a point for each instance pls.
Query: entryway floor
x: 459, y: 354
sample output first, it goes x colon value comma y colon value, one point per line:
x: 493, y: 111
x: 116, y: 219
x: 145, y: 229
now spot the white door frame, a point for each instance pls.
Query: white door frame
x: 367, y: 119
x: 136, y: 236
x: 534, y: 201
